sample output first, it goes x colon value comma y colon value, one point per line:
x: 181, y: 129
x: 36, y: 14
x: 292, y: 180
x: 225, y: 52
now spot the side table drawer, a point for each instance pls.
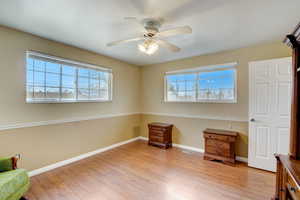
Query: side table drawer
x: 219, y: 137
x: 217, y: 148
x: 155, y: 138
x: 157, y: 128
x: 156, y: 133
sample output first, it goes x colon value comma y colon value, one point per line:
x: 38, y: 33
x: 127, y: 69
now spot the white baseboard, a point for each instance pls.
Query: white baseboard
x: 242, y: 159
x: 86, y: 155
x: 238, y: 158
x: 77, y: 158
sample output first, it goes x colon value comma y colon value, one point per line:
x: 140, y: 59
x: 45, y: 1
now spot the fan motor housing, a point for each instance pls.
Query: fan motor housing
x: 152, y: 26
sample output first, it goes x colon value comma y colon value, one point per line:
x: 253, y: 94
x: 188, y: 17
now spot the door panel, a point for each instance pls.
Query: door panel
x: 262, y: 141
x: 269, y: 111
x: 261, y: 105
x: 284, y: 95
x: 283, y: 140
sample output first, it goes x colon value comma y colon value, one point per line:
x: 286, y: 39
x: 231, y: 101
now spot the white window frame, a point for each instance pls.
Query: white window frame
x: 197, y: 70
x: 73, y: 63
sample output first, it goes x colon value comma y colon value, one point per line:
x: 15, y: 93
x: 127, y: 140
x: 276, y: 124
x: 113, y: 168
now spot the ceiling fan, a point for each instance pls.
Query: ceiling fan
x: 152, y: 37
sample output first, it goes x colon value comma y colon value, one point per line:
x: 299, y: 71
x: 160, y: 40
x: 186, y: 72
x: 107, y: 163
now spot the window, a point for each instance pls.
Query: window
x: 53, y: 80
x: 204, y: 84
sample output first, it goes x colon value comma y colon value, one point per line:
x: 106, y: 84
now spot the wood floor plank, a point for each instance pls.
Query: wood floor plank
x: 137, y: 171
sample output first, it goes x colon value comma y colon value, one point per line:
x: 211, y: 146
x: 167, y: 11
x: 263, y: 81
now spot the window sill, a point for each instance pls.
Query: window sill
x: 214, y: 102
x: 60, y: 102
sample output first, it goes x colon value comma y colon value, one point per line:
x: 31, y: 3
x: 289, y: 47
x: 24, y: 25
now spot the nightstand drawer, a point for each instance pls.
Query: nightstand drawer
x: 219, y: 137
x: 155, y: 138
x: 157, y: 133
x: 155, y: 128
x: 217, y: 148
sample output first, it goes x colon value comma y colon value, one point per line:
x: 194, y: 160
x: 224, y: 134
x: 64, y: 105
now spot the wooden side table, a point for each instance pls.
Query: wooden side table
x: 160, y: 134
x: 219, y: 145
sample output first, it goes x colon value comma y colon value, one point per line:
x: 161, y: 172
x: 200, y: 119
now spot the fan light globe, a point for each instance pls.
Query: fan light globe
x: 148, y: 47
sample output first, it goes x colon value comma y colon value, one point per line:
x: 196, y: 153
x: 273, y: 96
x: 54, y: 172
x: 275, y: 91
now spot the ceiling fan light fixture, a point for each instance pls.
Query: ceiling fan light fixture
x: 148, y: 47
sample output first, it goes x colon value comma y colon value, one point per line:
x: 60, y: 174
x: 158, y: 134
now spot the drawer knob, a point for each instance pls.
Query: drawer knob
x: 293, y: 189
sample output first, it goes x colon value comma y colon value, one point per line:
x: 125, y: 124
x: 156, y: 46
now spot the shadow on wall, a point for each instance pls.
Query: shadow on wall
x: 136, y: 131
x: 176, y: 135
x: 242, y: 142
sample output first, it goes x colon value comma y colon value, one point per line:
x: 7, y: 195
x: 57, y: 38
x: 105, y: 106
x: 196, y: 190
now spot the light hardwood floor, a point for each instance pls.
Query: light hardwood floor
x: 137, y: 171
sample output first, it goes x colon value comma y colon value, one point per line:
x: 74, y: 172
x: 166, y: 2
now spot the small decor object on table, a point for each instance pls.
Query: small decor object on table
x: 219, y: 145
x: 160, y: 134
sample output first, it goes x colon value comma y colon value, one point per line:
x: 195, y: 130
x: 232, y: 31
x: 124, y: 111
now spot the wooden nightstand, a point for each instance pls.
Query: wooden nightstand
x: 219, y: 145
x: 160, y: 134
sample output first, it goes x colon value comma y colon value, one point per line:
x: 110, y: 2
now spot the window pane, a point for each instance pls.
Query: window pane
x: 39, y: 78
x: 104, y: 76
x: 190, y: 77
x: 68, y: 81
x: 104, y: 84
x: 52, y: 93
x: 49, y: 80
x: 172, y: 78
x: 83, y: 94
x: 52, y: 67
x: 39, y: 92
x: 29, y: 91
x: 94, y: 94
x: 181, y: 95
x: 191, y: 95
x: 217, y: 85
x: 104, y: 94
x: 68, y: 94
x: 172, y: 86
x: 95, y: 74
x: 39, y: 65
x: 191, y: 85
x: 172, y: 96
x: 94, y: 84
x: 29, y: 77
x: 83, y: 72
x: 181, y: 86
x: 29, y: 63
x: 83, y: 82
x: 52, y: 80
x: 68, y: 70
x: 202, y: 86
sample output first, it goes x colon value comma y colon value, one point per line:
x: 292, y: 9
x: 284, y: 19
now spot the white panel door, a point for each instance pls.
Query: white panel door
x: 269, y: 111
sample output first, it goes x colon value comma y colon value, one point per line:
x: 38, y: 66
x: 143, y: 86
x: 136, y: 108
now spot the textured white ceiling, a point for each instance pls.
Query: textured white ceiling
x: 90, y: 24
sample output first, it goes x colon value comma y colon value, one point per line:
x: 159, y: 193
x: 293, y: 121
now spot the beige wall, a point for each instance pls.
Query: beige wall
x: 45, y: 145
x: 12, y: 81
x: 187, y: 130
x: 135, y: 89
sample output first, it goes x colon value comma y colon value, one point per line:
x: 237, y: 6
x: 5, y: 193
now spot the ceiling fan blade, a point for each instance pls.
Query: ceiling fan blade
x: 130, y: 18
x: 175, y: 31
x: 124, y: 41
x: 168, y: 45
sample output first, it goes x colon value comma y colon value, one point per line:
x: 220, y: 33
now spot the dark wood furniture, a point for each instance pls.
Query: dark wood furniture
x: 288, y: 166
x: 160, y: 134
x: 288, y: 179
x: 220, y: 145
